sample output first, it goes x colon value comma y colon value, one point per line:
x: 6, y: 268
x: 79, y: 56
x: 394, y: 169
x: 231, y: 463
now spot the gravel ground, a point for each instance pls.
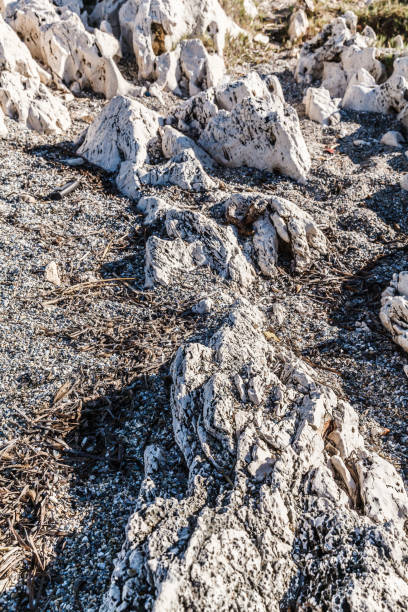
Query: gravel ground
x: 108, y: 343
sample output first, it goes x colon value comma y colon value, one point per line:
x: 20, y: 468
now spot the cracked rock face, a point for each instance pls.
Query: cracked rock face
x: 57, y: 37
x: 272, y: 218
x: 195, y: 240
x: 122, y: 132
x: 245, y: 124
x: 394, y: 309
x: 285, y: 506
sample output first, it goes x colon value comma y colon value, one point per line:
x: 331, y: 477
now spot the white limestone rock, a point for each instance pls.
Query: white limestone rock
x: 266, y: 520
x: 320, y: 107
x: 183, y: 170
x: 298, y: 25
x: 31, y: 103
x: 290, y: 224
x: 154, y: 209
x: 122, y: 132
x: 195, y: 240
x: 58, y: 39
x: 174, y: 142
x: 3, y: 127
x: 394, y: 309
x: 246, y: 124
x: 336, y: 54
x: 404, y: 182
x: 258, y: 135
x: 15, y: 56
x: 152, y: 28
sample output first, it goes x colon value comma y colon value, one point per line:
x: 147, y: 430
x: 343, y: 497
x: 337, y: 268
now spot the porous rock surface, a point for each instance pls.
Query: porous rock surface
x: 153, y: 28
x: 122, y: 132
x: 24, y: 95
x: 346, y: 62
x: 394, y: 309
x: 246, y: 124
x: 57, y: 37
x: 195, y: 240
x: 272, y: 218
x: 285, y: 507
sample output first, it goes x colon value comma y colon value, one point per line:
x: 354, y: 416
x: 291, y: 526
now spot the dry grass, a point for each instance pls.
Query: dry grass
x: 38, y: 464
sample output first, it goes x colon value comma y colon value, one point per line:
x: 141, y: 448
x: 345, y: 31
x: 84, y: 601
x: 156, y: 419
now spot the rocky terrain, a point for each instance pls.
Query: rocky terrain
x: 204, y: 307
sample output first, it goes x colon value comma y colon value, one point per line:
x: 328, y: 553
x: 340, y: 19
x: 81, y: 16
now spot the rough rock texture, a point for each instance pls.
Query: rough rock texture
x: 196, y: 241
x: 346, y: 63
x: 122, y: 132
x: 30, y: 102
x: 285, y: 507
x: 336, y: 54
x: 272, y: 218
x: 183, y: 170
x: 57, y: 37
x: 3, y: 127
x: 320, y: 107
x: 23, y: 93
x: 15, y: 56
x: 174, y: 142
x: 189, y: 67
x: 152, y: 28
x: 394, y: 309
x: 245, y: 124
x: 298, y: 24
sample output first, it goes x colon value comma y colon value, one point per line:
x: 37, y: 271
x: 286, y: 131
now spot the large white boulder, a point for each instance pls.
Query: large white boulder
x: 122, y: 132
x: 394, y: 309
x: 246, y: 124
x: 57, y: 38
x: 285, y: 504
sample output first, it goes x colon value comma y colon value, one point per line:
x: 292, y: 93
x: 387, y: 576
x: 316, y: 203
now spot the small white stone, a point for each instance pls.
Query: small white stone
x: 204, y: 306
x: 51, y: 274
x: 262, y: 39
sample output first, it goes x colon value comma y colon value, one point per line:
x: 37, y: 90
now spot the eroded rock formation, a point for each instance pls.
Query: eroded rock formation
x: 394, y: 309
x: 285, y: 506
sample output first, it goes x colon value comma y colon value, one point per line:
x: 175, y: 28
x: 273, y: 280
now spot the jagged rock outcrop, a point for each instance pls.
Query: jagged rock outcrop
x: 394, y: 309
x: 122, y: 132
x: 272, y: 218
x: 336, y: 54
x: 246, y: 124
x: 189, y: 67
x: 195, y: 240
x: 23, y: 93
x: 57, y: 38
x: 347, y: 64
x: 320, y: 107
x: 152, y: 28
x: 286, y: 508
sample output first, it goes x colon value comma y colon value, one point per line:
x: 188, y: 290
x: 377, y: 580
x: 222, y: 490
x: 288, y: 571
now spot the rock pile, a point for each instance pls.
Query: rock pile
x: 349, y: 67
